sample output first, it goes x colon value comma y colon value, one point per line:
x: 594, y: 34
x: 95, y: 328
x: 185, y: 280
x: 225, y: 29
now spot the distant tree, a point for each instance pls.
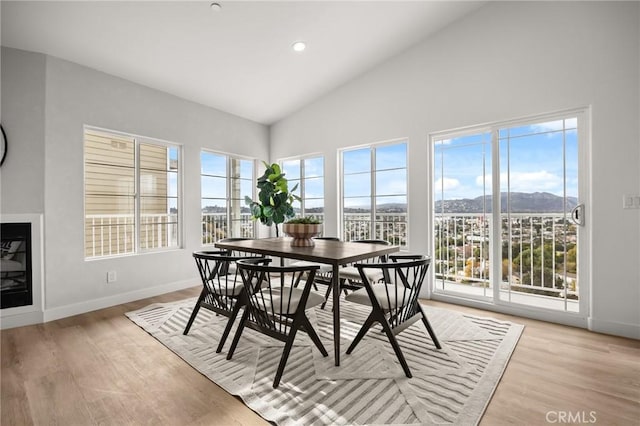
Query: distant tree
x: 505, y: 269
x: 572, y: 262
x: 535, y: 279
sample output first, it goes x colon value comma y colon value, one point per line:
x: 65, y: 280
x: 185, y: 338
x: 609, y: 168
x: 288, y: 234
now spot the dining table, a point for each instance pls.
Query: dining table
x: 334, y: 253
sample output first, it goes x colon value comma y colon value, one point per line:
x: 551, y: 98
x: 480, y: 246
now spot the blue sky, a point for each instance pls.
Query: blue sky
x: 391, y: 175
x: 531, y: 160
x: 214, y: 185
x: 314, y: 180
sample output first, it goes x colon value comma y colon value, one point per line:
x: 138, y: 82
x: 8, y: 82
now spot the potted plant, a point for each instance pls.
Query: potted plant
x: 275, y: 200
x: 302, y: 230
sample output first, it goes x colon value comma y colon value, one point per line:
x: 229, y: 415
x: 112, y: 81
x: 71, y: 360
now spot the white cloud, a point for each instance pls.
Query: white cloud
x: 549, y: 126
x: 447, y: 184
x: 554, y: 126
x: 541, y: 181
x: 483, y: 180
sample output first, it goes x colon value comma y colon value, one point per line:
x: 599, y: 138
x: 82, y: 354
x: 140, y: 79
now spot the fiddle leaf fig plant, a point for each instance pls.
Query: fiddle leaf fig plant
x: 275, y: 199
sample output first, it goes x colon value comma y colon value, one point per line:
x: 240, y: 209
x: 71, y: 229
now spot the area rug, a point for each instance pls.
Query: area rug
x: 452, y: 385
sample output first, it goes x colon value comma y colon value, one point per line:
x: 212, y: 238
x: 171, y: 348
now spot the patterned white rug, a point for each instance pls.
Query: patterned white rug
x: 449, y: 386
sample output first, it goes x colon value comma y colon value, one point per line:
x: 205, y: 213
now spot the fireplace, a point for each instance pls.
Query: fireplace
x: 16, y: 283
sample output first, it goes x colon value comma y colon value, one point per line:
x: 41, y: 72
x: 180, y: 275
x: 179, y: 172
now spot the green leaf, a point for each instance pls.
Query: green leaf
x: 289, y: 212
x: 275, y: 200
x: 247, y: 200
x: 283, y: 198
x: 282, y: 185
x: 278, y: 217
x: 256, y: 211
x: 294, y: 187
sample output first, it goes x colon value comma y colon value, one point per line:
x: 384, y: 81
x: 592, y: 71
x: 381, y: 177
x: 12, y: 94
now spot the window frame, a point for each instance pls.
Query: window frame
x: 583, y: 129
x: 373, y: 147
x: 229, y: 157
x: 302, y: 180
x: 137, y: 141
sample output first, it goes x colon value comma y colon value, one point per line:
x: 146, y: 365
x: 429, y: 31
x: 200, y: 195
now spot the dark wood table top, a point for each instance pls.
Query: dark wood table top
x: 324, y: 251
x: 335, y: 253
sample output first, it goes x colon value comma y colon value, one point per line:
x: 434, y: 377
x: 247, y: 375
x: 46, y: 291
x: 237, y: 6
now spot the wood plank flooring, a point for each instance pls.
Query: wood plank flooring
x: 100, y: 368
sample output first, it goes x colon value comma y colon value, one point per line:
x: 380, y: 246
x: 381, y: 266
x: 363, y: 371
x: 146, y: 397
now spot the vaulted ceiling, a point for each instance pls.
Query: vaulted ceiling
x: 237, y: 59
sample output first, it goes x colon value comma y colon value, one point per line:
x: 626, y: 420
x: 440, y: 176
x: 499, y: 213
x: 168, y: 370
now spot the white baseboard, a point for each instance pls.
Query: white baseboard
x: 117, y: 299
x: 570, y: 319
x: 20, y: 319
x: 631, y: 331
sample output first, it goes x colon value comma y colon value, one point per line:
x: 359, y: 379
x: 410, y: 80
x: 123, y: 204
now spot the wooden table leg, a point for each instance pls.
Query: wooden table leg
x: 336, y: 313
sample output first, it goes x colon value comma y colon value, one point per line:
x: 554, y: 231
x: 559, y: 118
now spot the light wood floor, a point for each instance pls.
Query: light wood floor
x: 100, y: 368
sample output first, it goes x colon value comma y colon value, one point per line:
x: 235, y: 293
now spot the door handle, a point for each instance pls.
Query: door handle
x: 577, y: 215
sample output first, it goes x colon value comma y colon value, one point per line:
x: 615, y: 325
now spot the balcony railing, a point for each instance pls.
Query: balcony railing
x: 538, y: 253
x: 114, y: 234
x: 214, y: 227
x: 391, y: 227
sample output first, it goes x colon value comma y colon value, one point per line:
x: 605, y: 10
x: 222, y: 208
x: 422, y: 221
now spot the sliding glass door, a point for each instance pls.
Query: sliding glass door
x: 528, y: 254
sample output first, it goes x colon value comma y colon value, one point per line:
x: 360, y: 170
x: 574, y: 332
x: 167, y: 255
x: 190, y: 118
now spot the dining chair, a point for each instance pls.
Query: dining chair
x: 394, y: 303
x: 277, y: 308
x: 349, y: 276
x: 324, y: 274
x: 230, y: 268
x: 222, y: 292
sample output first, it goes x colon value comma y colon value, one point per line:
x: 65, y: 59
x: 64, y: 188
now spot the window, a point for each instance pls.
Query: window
x: 374, y: 193
x: 503, y: 227
x: 308, y: 174
x: 131, y: 195
x: 225, y: 181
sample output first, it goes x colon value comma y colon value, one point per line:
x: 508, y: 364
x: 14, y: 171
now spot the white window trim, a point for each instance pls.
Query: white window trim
x: 302, y: 179
x: 578, y: 319
x: 229, y: 157
x: 340, y: 180
x: 180, y: 191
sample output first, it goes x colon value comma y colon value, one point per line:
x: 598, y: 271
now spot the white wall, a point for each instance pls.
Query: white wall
x: 22, y: 174
x: 69, y: 97
x: 507, y: 60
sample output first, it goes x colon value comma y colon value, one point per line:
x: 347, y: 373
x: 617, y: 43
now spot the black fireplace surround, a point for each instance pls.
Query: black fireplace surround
x: 15, y: 265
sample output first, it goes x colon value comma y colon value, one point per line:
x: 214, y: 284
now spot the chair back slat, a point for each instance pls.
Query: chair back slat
x: 222, y: 288
x: 406, y: 274
x: 223, y: 285
x: 276, y: 305
x: 237, y: 253
x: 274, y: 298
x: 394, y: 302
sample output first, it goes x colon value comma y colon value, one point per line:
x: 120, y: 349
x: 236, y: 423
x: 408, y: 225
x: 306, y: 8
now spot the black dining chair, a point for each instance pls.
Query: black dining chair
x: 324, y: 275
x: 222, y: 291
x: 277, y: 307
x: 394, y: 303
x: 349, y: 276
x: 231, y: 267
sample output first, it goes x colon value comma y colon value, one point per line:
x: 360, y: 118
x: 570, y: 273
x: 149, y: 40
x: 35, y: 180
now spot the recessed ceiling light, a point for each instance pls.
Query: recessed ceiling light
x: 299, y: 46
x: 216, y: 7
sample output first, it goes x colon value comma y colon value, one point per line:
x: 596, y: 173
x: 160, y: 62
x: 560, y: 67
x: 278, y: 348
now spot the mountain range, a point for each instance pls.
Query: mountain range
x: 520, y: 202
